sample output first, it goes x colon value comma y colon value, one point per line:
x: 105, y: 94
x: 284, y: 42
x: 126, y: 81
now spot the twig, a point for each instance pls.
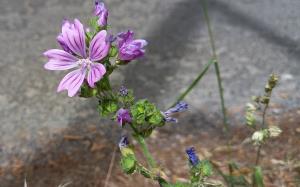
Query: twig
x: 112, y: 161
x: 263, y: 126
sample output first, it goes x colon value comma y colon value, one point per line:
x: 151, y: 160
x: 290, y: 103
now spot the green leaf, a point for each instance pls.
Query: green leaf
x: 156, y: 118
x: 113, y: 51
x: 93, y: 23
x: 107, y: 107
x: 206, y: 168
x: 180, y: 184
x: 128, y: 164
x: 147, y: 132
x: 128, y: 99
x: 86, y: 91
x: 258, y: 179
x: 104, y: 84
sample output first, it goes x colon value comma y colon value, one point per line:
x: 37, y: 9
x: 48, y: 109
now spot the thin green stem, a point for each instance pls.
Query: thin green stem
x: 151, y: 162
x: 146, y: 152
x: 217, y: 69
x: 195, y: 82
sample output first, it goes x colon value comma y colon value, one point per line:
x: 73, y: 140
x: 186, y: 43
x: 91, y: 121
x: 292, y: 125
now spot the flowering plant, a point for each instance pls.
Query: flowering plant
x: 94, y: 54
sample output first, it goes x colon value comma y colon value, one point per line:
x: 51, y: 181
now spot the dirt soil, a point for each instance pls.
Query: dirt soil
x: 83, y: 158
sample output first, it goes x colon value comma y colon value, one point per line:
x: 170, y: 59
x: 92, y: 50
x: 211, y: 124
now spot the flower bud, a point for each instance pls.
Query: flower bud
x: 179, y: 107
x: 193, y: 158
x: 250, y: 107
x: 123, y: 116
x: 130, y: 48
x: 258, y: 137
x: 101, y: 12
x: 274, y: 131
x: 123, y: 91
x: 123, y: 143
x: 273, y: 80
x: 250, y: 119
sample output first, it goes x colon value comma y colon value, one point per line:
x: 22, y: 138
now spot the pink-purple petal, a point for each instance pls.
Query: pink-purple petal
x: 61, y: 55
x: 74, y: 37
x: 95, y: 73
x: 59, y: 65
x: 99, y: 46
x: 72, y: 81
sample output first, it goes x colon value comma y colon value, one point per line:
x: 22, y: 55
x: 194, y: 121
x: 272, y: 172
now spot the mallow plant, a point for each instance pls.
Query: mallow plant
x: 91, y: 54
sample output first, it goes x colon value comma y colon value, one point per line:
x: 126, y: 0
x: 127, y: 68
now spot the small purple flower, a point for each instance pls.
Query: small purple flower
x: 179, y: 107
x: 130, y: 49
x: 76, y: 55
x: 193, y: 158
x: 124, y: 142
x: 123, y: 116
x: 123, y: 91
x: 101, y: 11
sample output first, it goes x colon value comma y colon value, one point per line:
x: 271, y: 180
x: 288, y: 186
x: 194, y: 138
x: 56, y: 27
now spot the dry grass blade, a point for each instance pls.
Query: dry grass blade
x: 65, y: 185
x: 110, y: 167
x: 25, y: 183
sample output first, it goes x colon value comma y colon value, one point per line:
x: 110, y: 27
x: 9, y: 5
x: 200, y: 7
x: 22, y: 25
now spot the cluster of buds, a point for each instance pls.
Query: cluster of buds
x: 259, y: 137
x: 263, y: 134
x: 271, y: 84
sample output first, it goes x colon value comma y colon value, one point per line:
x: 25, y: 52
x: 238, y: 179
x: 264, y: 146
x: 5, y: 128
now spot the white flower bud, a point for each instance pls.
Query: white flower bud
x: 274, y: 131
x: 258, y: 137
x: 250, y: 107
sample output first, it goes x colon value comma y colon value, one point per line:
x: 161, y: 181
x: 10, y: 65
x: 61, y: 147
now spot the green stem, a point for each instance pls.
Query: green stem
x: 151, y: 162
x: 195, y: 82
x: 146, y: 152
x: 217, y: 69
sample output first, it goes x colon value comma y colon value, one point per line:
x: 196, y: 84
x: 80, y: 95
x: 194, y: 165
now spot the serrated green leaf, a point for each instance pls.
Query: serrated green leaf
x: 156, y: 118
x: 206, y: 168
x: 107, y: 107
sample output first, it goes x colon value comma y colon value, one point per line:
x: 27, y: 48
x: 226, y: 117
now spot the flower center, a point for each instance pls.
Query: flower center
x: 84, y: 63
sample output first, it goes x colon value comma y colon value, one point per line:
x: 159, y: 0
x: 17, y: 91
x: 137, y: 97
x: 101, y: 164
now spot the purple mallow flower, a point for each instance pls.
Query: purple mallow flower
x: 193, y: 158
x: 123, y: 116
x: 130, y: 49
x: 123, y: 91
x: 124, y: 142
x: 76, y: 55
x: 101, y: 12
x: 179, y: 107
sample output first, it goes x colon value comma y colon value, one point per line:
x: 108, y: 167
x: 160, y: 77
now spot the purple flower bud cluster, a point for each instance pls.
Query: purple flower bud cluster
x: 179, y: 107
x: 123, y: 91
x: 123, y: 116
x: 193, y: 158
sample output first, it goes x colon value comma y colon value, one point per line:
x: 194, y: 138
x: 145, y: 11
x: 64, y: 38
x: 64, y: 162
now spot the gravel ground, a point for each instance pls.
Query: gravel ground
x: 253, y: 38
